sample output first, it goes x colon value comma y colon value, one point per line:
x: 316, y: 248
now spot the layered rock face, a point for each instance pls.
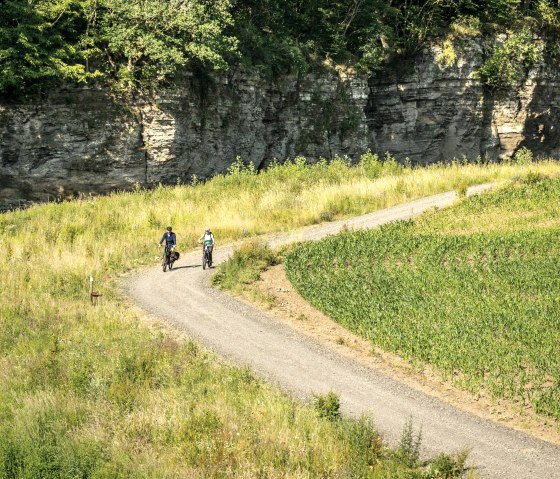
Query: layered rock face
x: 81, y: 140
x: 435, y: 113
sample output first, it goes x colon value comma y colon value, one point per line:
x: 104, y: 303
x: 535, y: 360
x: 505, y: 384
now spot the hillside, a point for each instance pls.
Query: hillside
x: 98, y: 96
x: 95, y: 391
x: 470, y: 290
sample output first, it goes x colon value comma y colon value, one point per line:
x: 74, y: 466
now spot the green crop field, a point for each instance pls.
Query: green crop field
x: 473, y: 290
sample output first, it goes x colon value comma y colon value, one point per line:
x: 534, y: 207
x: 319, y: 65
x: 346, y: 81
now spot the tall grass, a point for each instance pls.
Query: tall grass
x: 95, y: 392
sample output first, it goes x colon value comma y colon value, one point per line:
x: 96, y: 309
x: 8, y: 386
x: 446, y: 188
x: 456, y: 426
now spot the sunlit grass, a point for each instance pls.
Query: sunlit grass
x: 95, y: 392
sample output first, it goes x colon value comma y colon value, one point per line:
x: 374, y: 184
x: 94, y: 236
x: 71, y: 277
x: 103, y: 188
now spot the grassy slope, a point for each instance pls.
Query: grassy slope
x: 94, y: 392
x: 471, y: 289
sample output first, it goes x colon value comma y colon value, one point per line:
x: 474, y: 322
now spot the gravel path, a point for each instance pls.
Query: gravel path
x: 244, y: 335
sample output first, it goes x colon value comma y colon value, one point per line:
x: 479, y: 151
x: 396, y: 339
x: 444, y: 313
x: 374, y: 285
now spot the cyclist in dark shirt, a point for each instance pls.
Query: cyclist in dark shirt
x: 170, y: 243
x: 169, y: 238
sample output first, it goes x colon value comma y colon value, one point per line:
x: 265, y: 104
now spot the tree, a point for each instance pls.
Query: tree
x: 145, y: 42
x: 38, y: 42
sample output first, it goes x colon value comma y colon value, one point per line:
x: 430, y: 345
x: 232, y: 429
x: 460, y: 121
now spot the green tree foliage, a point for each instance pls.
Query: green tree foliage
x: 39, y: 42
x: 144, y: 43
x: 135, y: 43
x: 505, y: 67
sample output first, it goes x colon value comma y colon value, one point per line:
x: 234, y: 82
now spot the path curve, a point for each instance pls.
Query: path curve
x: 250, y: 337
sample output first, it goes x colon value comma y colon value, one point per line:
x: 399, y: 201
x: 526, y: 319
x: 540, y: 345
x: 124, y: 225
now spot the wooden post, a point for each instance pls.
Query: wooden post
x: 93, y: 295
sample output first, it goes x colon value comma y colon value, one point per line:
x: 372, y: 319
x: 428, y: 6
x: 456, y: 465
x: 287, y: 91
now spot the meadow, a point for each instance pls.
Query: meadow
x: 100, y: 392
x: 471, y: 290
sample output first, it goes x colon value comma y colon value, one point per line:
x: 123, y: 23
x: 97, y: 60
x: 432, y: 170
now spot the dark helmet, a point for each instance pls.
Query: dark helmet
x: 169, y: 228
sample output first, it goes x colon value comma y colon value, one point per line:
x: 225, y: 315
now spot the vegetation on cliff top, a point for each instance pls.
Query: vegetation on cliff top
x: 134, y: 44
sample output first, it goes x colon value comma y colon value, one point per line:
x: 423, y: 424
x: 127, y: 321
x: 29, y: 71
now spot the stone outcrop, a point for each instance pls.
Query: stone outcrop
x: 82, y: 140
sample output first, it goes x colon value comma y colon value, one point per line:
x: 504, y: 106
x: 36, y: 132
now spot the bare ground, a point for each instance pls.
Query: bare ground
x: 305, y: 365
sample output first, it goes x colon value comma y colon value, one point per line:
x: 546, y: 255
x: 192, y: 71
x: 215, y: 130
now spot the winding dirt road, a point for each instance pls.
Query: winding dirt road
x: 250, y: 337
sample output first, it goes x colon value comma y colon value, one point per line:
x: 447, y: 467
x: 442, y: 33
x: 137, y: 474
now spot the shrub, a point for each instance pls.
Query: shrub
x: 327, y: 406
x: 409, y: 445
x: 506, y: 66
x: 447, y: 466
x: 523, y: 156
x: 447, y: 57
x: 370, y: 165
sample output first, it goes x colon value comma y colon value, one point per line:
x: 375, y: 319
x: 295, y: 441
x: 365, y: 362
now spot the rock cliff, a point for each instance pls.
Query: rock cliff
x: 82, y: 140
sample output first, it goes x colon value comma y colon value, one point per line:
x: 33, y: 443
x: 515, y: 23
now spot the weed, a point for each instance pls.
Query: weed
x: 327, y: 406
x: 409, y: 445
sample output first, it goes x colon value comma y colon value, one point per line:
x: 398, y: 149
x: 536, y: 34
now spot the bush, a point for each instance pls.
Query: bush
x: 507, y: 65
x: 370, y: 165
x: 523, y: 156
x: 446, y: 466
x: 327, y: 406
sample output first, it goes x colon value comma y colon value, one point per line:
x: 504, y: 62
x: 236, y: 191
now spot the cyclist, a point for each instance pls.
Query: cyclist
x: 170, y: 241
x: 207, y: 239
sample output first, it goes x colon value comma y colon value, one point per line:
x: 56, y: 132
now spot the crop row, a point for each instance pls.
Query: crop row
x: 483, y: 308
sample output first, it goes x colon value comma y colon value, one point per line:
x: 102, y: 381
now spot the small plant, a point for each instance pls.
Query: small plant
x: 391, y: 166
x: 447, y: 466
x: 447, y: 57
x: 370, y: 165
x: 409, y: 445
x: 532, y: 178
x: 523, y: 156
x: 466, y: 26
x: 461, y: 188
x: 327, y: 406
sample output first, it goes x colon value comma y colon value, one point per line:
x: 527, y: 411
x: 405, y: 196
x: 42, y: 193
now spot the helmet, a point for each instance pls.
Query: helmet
x: 207, y: 229
x: 169, y: 228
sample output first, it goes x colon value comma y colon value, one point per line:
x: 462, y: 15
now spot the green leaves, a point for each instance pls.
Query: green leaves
x: 136, y: 43
x: 147, y: 41
x: 509, y: 62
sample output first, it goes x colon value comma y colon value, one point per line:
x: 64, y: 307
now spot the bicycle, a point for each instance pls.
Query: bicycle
x: 207, y: 254
x: 169, y: 257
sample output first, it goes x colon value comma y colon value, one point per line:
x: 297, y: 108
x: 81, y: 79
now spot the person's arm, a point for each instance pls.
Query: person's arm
x: 174, y: 239
x: 162, y: 239
x: 201, y: 238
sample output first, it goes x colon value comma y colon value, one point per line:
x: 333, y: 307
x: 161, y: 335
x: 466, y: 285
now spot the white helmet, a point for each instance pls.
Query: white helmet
x: 207, y: 229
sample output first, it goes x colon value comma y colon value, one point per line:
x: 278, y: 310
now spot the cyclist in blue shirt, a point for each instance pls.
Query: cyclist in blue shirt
x: 170, y: 243
x: 169, y: 238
